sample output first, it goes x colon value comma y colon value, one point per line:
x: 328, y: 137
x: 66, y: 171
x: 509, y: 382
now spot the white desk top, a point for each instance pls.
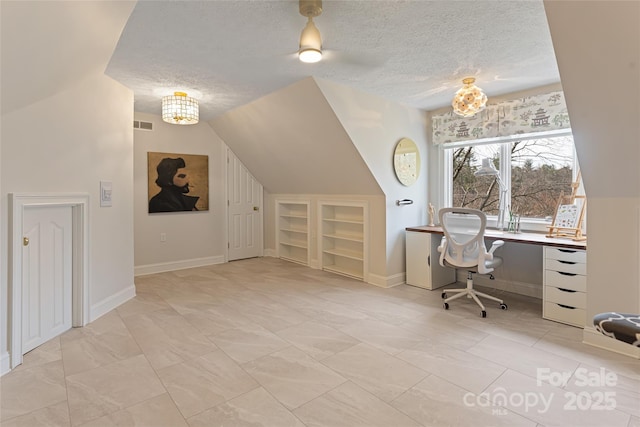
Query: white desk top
x: 530, y: 238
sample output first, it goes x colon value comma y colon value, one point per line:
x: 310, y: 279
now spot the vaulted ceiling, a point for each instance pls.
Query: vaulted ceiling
x: 229, y: 53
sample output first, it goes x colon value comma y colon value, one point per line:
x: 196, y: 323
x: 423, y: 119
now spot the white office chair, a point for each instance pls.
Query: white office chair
x: 463, y: 247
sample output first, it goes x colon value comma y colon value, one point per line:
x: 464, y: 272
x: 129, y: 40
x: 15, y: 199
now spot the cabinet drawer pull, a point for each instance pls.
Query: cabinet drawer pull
x: 566, y: 274
x: 429, y: 260
x: 568, y: 251
x: 566, y: 306
x: 567, y: 290
x: 567, y: 262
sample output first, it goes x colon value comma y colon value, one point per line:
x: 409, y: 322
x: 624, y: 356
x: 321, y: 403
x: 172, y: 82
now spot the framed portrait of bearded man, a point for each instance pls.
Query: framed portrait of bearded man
x: 177, y: 182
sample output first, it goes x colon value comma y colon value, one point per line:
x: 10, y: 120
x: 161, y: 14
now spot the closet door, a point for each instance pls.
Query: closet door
x: 46, y: 274
x: 244, y: 211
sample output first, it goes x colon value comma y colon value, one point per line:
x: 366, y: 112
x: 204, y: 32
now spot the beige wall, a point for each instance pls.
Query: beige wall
x: 68, y: 143
x: 192, y: 238
x: 600, y: 71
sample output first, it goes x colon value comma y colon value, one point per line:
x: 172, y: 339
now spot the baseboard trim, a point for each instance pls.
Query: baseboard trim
x: 5, y: 366
x: 594, y: 338
x: 143, y: 270
x: 95, y: 312
x: 109, y: 303
x: 388, y: 281
x: 270, y: 252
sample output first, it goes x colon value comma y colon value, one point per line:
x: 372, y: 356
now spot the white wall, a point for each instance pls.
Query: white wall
x: 375, y: 125
x: 192, y: 238
x: 69, y: 143
x: 600, y: 73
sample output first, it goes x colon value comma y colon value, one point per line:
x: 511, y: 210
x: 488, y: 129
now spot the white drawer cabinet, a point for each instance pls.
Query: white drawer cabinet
x: 565, y: 285
x: 563, y: 314
x: 423, y: 267
x: 567, y: 267
x: 566, y: 297
x: 568, y: 255
x: 562, y: 279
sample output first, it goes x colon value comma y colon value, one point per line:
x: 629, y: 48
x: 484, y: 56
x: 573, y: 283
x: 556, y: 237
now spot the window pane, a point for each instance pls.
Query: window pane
x: 469, y: 191
x: 540, y: 170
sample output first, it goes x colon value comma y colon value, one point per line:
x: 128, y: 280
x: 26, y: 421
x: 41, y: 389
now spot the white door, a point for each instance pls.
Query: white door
x: 245, y: 211
x: 46, y: 274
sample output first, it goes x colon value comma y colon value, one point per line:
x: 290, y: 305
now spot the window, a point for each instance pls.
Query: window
x: 533, y: 173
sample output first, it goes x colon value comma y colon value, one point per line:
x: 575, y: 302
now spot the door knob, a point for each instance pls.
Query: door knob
x: 256, y: 208
x: 25, y: 241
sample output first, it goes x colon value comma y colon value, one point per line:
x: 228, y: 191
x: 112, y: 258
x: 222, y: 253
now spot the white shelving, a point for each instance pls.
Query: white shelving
x: 343, y: 238
x: 293, y: 230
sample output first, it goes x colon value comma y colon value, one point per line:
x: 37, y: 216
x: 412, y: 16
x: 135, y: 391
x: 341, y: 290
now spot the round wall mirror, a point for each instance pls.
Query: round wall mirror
x: 406, y: 161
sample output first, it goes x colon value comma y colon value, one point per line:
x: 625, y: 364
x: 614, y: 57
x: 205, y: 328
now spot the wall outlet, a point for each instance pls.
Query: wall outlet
x: 163, y: 237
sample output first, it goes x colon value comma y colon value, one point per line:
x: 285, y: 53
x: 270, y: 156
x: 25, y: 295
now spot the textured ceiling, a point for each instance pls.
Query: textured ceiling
x: 229, y: 53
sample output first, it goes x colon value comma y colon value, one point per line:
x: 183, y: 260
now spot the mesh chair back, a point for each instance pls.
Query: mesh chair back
x: 464, y: 232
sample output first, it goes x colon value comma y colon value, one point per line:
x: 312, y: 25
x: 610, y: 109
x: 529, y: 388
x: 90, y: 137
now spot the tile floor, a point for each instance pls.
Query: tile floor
x: 264, y: 342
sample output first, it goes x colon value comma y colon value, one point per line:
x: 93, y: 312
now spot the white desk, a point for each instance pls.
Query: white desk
x: 564, y: 269
x: 530, y: 238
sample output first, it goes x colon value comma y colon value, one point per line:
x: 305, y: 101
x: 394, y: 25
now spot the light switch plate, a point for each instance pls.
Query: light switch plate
x: 105, y: 193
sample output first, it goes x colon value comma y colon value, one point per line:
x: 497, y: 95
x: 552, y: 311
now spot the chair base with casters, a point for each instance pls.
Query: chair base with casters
x: 469, y: 292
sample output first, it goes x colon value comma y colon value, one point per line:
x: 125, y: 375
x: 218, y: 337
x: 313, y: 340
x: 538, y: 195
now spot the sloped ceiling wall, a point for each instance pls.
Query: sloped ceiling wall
x: 600, y: 76
x: 292, y: 143
x: 375, y: 125
x: 63, y: 42
x: 600, y: 70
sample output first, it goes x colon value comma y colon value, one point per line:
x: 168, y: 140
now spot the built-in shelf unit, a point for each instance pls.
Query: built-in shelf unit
x: 293, y: 230
x: 342, y: 246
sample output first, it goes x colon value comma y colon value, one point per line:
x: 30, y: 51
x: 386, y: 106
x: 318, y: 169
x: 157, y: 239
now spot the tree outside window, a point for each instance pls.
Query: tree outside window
x: 540, y: 170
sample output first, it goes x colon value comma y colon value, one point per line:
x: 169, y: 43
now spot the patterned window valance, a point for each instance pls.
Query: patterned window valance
x: 533, y: 114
